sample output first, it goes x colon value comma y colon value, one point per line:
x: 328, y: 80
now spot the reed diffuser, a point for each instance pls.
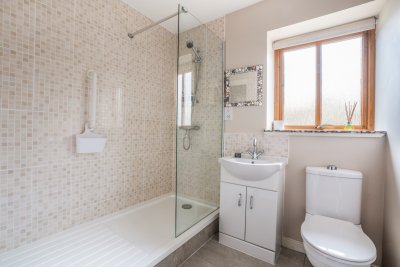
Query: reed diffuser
x: 350, y: 109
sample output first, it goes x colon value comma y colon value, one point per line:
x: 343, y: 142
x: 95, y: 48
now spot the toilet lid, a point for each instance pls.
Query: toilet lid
x: 339, y: 239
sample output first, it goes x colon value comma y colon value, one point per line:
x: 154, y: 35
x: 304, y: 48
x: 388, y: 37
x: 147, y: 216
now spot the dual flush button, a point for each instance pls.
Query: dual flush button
x: 331, y: 167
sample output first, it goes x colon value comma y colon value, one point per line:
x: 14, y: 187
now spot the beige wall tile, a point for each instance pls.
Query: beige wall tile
x: 274, y: 146
x: 17, y: 22
x: 46, y: 48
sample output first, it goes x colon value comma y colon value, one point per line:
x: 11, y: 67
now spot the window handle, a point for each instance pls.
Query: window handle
x: 321, y: 126
x: 251, y: 202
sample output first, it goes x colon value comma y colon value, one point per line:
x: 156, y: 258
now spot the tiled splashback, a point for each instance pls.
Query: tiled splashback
x: 46, y: 47
x: 273, y: 145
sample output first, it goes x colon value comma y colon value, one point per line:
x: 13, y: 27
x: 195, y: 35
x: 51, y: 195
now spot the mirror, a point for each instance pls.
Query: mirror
x: 243, y: 86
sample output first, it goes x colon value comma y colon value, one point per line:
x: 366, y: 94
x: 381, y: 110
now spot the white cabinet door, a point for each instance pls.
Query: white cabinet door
x: 232, y: 211
x: 261, y: 215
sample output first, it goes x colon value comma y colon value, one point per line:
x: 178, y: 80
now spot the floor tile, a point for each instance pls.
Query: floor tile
x: 213, y: 254
x: 290, y: 258
x: 216, y: 255
x: 307, y: 263
x: 196, y: 261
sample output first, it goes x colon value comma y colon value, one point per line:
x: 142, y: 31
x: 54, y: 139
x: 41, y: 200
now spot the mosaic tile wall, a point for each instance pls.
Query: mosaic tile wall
x: 198, y: 169
x: 273, y: 145
x: 217, y: 27
x: 46, y: 47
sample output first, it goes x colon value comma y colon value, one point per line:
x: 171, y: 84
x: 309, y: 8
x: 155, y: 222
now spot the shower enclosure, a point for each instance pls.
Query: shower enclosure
x: 198, y: 120
x: 199, y: 109
x: 159, y: 101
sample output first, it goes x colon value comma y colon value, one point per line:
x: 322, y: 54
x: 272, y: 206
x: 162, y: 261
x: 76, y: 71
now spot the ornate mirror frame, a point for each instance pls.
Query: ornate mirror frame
x: 227, y: 92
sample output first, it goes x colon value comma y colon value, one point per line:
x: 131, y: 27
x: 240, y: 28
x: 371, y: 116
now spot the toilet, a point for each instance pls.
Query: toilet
x: 332, y: 234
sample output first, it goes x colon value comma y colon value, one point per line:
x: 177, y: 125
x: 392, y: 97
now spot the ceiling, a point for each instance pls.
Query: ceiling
x: 203, y: 10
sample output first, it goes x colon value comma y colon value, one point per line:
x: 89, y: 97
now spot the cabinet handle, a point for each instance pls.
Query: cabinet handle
x: 251, y: 202
x: 240, y: 200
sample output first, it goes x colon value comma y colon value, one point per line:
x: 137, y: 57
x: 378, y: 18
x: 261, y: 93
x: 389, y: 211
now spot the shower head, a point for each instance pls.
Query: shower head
x: 190, y: 45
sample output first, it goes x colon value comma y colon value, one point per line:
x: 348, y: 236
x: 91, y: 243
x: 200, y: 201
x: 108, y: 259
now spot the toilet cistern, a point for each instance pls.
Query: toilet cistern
x: 253, y: 153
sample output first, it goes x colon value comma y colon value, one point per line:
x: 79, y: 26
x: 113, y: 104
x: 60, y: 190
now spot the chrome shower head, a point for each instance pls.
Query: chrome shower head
x: 190, y: 45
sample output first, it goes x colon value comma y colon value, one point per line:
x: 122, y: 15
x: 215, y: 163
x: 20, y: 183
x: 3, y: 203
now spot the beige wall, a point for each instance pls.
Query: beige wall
x: 46, y: 47
x: 364, y: 154
x: 387, y: 118
x: 246, y: 43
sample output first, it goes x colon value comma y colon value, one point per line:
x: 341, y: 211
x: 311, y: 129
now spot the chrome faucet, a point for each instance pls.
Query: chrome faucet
x: 321, y: 126
x: 254, y: 153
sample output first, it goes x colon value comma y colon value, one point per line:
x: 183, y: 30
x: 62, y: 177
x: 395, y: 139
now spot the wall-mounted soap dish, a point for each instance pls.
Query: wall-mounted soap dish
x: 89, y: 142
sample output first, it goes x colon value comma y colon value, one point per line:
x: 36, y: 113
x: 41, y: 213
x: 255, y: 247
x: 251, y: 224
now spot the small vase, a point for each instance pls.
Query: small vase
x: 349, y: 126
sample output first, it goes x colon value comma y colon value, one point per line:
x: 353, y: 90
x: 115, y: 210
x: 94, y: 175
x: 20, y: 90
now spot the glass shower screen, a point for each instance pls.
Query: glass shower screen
x: 198, y: 121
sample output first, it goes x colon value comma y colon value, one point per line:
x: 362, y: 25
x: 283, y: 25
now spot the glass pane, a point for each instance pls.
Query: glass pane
x: 187, y: 96
x: 341, y: 80
x: 300, y: 86
x: 184, y: 99
x: 180, y: 100
x: 199, y: 122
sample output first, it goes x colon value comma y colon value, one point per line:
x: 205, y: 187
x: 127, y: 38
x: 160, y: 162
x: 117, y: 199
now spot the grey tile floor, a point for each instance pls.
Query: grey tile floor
x: 213, y: 254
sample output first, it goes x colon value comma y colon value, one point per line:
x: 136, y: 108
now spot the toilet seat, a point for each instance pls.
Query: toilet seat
x: 338, y: 239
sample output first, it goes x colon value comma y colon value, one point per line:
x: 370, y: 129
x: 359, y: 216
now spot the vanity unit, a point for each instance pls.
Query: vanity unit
x: 251, y: 204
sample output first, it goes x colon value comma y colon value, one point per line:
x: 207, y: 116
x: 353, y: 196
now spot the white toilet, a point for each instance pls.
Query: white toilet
x: 331, y: 232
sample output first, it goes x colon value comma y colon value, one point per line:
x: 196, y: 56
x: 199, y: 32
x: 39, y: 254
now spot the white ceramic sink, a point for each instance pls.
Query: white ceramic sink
x: 250, y: 170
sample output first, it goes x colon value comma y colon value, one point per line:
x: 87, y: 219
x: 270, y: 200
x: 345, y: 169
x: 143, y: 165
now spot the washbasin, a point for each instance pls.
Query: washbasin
x: 250, y: 169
